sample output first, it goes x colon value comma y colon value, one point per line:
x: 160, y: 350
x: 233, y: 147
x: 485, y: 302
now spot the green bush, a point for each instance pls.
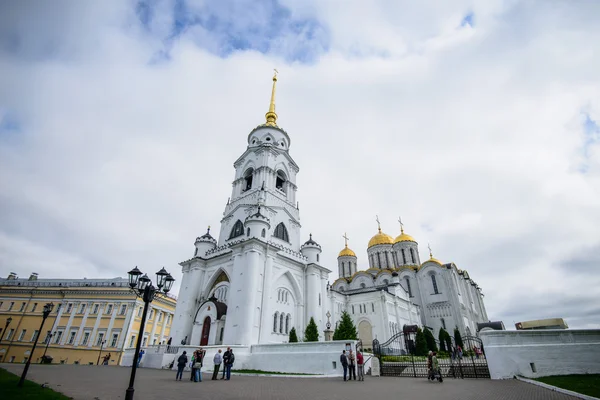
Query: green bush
x: 311, y: 334
x: 293, y: 337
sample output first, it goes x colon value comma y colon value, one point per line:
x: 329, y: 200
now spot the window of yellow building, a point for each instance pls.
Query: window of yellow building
x: 34, y: 336
x: 113, y: 342
x: 100, y: 338
x: 22, y: 307
x: 109, y: 309
x: 11, y: 305
x: 69, y: 307
x: 58, y: 337
x: 72, y: 337
x: 82, y: 309
x: 34, y: 307
x: 10, y: 334
x: 86, y: 337
x: 123, y: 309
x: 22, y: 335
x: 95, y: 309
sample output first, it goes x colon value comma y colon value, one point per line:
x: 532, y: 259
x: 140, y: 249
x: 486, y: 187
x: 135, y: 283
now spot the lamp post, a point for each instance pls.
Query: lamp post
x: 48, y: 340
x: 8, y: 321
x: 47, y: 310
x: 100, y: 353
x: 142, y: 287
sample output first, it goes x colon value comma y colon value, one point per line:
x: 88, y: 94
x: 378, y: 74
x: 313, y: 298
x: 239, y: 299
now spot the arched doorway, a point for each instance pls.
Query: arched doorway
x: 205, y: 332
x: 365, y: 333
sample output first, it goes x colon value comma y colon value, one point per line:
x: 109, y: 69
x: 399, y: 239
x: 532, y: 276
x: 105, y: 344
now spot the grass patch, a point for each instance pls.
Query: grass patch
x: 29, y: 390
x: 584, y: 384
x: 258, y: 371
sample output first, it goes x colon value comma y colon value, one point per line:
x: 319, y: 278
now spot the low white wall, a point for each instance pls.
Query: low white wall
x: 552, y: 352
x: 322, y: 358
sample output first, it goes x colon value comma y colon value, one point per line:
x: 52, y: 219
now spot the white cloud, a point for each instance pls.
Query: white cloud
x: 473, y: 134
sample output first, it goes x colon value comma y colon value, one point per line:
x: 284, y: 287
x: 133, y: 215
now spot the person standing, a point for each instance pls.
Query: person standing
x: 169, y: 344
x: 142, y: 352
x: 181, y: 362
x: 344, y: 362
x: 192, y: 366
x: 218, y: 359
x: 351, y: 365
x: 225, y: 360
x: 229, y: 363
x: 198, y: 365
x: 360, y: 366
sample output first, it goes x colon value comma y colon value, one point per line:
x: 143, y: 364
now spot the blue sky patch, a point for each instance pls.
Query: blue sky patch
x: 591, y: 132
x: 468, y: 19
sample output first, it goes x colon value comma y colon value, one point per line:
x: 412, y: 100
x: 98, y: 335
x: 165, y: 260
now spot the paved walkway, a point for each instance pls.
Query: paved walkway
x: 109, y: 383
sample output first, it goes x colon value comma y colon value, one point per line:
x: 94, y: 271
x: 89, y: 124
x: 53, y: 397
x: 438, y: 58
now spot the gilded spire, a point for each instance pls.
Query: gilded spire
x: 271, y: 115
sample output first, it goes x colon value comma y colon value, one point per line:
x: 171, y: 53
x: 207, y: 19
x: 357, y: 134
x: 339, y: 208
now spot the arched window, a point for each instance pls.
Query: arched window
x: 248, y: 179
x: 403, y: 257
x: 263, y: 233
x: 395, y: 259
x: 378, y: 260
x: 352, y: 309
x: 280, y: 181
x: 281, y: 232
x: 248, y: 232
x: 408, y: 286
x: 343, y: 269
x: 237, y: 230
x: 363, y: 285
x: 443, y: 323
x: 435, y: 287
x: 196, y: 252
x: 281, y: 323
x: 385, y: 281
x: 317, y: 258
x: 275, y: 318
x: 412, y: 256
x: 288, y: 320
x: 319, y: 298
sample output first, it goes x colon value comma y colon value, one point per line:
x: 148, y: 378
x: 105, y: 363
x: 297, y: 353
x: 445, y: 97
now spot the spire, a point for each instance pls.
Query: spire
x: 270, y: 115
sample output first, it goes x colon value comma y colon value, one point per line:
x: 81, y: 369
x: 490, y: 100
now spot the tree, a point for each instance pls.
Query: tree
x: 430, y: 339
x: 311, y: 334
x: 448, y: 341
x: 442, y: 340
x: 293, y: 337
x: 421, y: 343
x: 458, y: 338
x: 345, y: 330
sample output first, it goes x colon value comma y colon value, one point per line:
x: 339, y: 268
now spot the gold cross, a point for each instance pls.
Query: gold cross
x: 429, y: 247
x: 346, y: 238
x: 378, y: 224
x: 401, y: 224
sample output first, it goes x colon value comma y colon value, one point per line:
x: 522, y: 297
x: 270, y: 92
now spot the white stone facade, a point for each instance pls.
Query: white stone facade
x: 255, y: 282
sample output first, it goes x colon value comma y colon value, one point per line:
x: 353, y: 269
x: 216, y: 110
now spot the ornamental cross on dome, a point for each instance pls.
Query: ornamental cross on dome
x: 378, y: 224
x: 401, y: 224
x: 346, y: 238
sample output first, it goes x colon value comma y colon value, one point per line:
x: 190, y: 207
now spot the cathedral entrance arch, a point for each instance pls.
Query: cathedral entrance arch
x: 205, y: 331
x: 365, y: 332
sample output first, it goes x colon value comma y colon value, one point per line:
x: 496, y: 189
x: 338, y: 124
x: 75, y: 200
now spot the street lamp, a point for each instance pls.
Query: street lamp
x: 48, y: 340
x: 100, y: 353
x: 141, y: 285
x: 8, y: 321
x: 47, y: 310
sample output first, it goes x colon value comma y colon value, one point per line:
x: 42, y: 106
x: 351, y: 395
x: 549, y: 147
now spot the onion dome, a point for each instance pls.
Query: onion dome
x: 380, y: 238
x: 258, y: 216
x: 206, y: 237
x: 311, y: 242
x: 432, y: 258
x: 347, y: 252
x: 404, y: 237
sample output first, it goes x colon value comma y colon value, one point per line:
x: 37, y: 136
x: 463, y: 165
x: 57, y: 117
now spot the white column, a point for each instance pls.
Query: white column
x: 63, y: 340
x: 63, y: 304
x: 88, y: 305
x: 111, y: 323
x: 153, y: 332
x: 127, y: 326
x: 236, y: 308
x: 266, y: 324
x: 186, y: 303
x: 251, y: 289
x: 96, y: 324
x: 312, y: 294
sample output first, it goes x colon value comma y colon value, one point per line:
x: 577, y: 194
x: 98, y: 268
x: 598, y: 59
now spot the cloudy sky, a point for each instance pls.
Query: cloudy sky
x: 478, y: 122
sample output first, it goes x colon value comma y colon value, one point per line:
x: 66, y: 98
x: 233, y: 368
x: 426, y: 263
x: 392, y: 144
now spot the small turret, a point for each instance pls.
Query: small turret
x: 311, y: 250
x: 257, y: 225
x: 346, y: 260
x: 204, y: 243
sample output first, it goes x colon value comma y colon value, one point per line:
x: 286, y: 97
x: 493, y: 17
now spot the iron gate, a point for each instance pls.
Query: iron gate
x: 397, y: 358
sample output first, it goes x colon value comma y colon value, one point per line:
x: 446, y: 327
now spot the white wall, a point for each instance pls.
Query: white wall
x: 553, y: 352
x: 307, y: 358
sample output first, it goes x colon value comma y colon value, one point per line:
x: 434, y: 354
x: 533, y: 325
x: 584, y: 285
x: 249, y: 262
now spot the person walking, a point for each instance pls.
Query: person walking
x: 142, y: 352
x: 229, y: 363
x: 344, y: 362
x: 351, y: 365
x: 181, y: 362
x: 360, y: 366
x: 169, y: 344
x: 217, y: 360
x: 225, y: 359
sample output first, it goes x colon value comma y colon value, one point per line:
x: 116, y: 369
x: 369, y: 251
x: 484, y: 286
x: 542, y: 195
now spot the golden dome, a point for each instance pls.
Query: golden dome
x: 380, y: 238
x: 346, y: 252
x: 404, y: 238
x: 435, y: 260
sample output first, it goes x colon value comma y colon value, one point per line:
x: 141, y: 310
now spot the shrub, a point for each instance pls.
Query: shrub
x: 345, y: 330
x: 293, y: 337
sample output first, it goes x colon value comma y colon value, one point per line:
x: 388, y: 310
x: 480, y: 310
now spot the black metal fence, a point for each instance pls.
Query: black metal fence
x: 397, y: 358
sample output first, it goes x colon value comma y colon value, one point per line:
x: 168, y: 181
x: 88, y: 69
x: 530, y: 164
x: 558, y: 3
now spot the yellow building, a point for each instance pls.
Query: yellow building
x: 91, y: 318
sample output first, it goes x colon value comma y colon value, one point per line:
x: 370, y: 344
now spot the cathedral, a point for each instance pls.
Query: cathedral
x: 257, y: 281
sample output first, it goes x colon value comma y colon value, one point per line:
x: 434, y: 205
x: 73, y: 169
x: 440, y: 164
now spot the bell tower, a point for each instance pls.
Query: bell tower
x: 264, y: 184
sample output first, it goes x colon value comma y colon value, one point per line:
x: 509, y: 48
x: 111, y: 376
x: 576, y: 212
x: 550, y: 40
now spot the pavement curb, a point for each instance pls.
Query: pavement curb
x: 557, y: 389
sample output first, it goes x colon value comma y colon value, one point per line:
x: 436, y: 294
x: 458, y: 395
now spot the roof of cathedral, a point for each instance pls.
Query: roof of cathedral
x: 347, y: 252
x: 380, y: 238
x: 404, y: 238
x: 220, y: 307
x: 206, y: 237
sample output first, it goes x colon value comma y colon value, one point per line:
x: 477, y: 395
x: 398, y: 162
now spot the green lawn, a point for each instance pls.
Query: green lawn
x: 29, y: 390
x: 584, y: 384
x: 258, y: 371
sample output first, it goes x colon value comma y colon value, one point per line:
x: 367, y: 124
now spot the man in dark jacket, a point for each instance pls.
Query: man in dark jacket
x: 229, y: 363
x: 181, y: 363
x: 344, y: 362
x: 225, y: 360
